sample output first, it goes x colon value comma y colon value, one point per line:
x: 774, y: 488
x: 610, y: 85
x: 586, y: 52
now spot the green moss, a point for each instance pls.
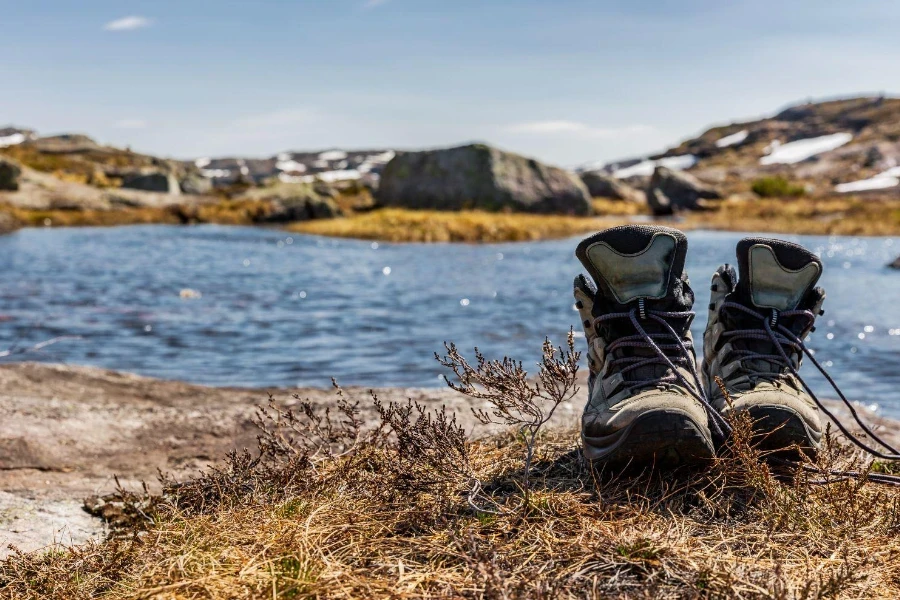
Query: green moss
x: 777, y: 187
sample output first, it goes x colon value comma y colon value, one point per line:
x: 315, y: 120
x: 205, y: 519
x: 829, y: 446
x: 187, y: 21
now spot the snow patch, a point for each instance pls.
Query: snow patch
x: 333, y: 155
x: 381, y: 159
x: 284, y: 156
x: 646, y: 167
x: 216, y: 173
x: 327, y: 176
x: 12, y: 140
x: 202, y: 162
x: 884, y: 180
x: 291, y: 166
x: 732, y: 140
x: 800, y: 150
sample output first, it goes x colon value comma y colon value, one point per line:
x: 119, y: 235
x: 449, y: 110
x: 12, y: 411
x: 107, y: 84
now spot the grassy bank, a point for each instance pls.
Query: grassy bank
x: 399, y: 225
x: 408, y: 507
x: 837, y: 216
x: 826, y: 216
x: 815, y: 216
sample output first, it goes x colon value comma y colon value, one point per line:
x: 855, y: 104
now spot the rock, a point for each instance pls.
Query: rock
x: 293, y: 202
x: 67, y: 143
x: 480, y: 177
x: 165, y: 183
x: 895, y: 264
x: 683, y: 191
x: 197, y: 185
x: 9, y: 175
x: 658, y: 202
x: 602, y: 185
x: 8, y: 223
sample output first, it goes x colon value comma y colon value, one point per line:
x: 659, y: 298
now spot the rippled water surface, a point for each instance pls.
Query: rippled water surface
x: 279, y: 310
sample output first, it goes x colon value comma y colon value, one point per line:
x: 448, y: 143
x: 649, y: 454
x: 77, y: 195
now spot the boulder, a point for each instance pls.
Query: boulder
x: 165, y: 183
x: 67, y: 143
x: 9, y: 175
x: 895, y: 264
x: 480, y: 177
x: 8, y: 223
x: 658, y: 202
x: 293, y: 202
x: 197, y: 185
x: 301, y: 209
x: 603, y: 185
x: 683, y: 191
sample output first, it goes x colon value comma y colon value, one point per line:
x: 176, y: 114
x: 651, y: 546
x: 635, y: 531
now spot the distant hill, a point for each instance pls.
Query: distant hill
x: 835, y: 146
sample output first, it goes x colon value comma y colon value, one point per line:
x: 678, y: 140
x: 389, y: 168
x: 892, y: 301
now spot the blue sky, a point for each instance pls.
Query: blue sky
x: 567, y: 81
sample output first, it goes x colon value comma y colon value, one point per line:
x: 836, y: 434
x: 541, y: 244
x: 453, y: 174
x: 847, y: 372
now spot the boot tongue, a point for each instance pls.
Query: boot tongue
x: 775, y: 274
x: 634, y: 262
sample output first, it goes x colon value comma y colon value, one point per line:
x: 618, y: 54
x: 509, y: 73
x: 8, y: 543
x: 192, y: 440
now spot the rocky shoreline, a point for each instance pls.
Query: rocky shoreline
x: 67, y: 432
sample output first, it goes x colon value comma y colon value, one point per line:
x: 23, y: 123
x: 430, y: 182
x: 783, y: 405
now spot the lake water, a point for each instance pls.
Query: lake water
x: 285, y: 310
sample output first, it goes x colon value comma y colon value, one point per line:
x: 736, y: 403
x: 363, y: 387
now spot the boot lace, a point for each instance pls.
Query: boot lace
x: 671, y: 351
x: 783, y: 341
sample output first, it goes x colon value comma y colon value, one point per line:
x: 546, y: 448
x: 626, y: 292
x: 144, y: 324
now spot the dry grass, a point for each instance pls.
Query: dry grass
x: 816, y: 216
x: 224, y: 212
x: 824, y: 216
x: 399, y: 225
x: 326, y: 509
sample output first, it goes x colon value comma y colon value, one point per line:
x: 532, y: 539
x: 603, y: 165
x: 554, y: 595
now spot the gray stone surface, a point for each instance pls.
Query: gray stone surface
x: 684, y: 191
x: 603, y: 185
x: 196, y: 185
x: 165, y: 183
x: 9, y: 175
x: 480, y: 177
x: 295, y: 202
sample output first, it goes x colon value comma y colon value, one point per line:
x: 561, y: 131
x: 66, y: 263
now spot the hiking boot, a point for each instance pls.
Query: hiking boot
x: 775, y: 288
x: 643, y: 388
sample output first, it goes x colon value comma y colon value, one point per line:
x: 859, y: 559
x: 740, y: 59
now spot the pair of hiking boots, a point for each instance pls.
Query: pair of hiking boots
x: 648, y: 402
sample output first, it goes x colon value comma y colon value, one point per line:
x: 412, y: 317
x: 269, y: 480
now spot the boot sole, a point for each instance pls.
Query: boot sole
x: 783, y: 431
x: 662, y: 438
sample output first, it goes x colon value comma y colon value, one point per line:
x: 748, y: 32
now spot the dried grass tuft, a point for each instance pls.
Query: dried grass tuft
x: 328, y: 507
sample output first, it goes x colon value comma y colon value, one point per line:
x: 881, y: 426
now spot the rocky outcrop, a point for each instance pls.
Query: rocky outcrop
x: 670, y: 191
x: 895, y: 264
x: 290, y: 202
x: 9, y: 175
x: 196, y: 185
x: 603, y: 185
x: 480, y: 177
x: 164, y: 183
x: 8, y: 223
x: 67, y: 143
x: 659, y: 203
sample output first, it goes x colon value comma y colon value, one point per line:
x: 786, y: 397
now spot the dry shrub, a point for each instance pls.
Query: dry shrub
x: 330, y: 508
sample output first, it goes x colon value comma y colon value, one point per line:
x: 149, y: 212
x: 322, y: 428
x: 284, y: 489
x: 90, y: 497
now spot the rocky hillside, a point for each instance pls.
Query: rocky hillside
x: 298, y: 167
x: 825, y: 148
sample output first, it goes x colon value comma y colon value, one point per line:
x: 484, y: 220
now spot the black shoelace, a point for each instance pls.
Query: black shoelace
x: 683, y: 352
x: 772, y: 331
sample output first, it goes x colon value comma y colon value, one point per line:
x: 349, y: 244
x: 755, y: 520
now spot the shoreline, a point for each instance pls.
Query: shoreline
x: 68, y: 431
x: 825, y: 216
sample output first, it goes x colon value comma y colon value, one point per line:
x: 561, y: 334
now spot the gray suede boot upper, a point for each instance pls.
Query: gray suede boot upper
x: 640, y: 409
x: 775, y: 286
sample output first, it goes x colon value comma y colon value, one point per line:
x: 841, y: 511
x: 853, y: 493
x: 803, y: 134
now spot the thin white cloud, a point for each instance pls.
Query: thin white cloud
x: 278, y: 118
x: 374, y: 3
x: 128, y: 23
x: 131, y: 124
x: 575, y: 128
